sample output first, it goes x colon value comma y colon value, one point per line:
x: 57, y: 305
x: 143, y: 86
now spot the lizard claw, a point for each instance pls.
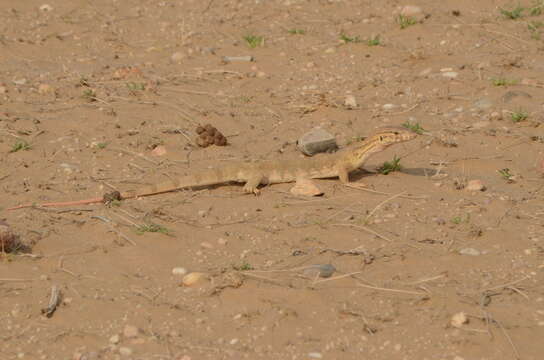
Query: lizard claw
x: 252, y: 190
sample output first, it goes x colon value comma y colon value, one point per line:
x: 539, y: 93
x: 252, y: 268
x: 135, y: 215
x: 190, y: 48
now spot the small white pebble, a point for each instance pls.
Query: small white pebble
x: 179, y: 271
x: 470, y: 251
x: 389, y: 106
x: 457, y: 320
x: 315, y: 355
x: 114, y: 339
x: 125, y: 351
x: 46, y: 7
x: 450, y: 74
x: 234, y: 341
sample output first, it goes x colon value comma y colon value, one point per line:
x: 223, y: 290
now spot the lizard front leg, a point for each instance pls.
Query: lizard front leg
x: 343, y: 173
x: 252, y: 183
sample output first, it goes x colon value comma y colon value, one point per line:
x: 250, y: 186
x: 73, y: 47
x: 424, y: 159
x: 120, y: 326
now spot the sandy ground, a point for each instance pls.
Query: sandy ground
x: 426, y: 266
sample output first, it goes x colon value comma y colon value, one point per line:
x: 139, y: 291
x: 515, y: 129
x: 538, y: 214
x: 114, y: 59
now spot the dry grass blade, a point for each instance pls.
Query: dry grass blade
x: 364, y: 228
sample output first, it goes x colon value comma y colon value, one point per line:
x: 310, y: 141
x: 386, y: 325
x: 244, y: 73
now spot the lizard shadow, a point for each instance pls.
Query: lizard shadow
x: 362, y: 173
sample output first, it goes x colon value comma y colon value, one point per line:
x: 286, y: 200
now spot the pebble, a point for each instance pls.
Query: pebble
x: 410, y: 10
x: 222, y: 241
x: 510, y: 95
x: 321, y: 270
x: 3, y: 89
x: 350, y: 102
x: 125, y: 351
x: 44, y: 89
x: 179, y: 271
x: 330, y: 50
x: 206, y: 245
x: 450, y: 74
x: 306, y: 187
x: 483, y: 104
x: 114, y: 339
x: 496, y: 115
x: 194, y: 278
x: 19, y: 81
x: 457, y: 320
x: 480, y: 124
x: 130, y: 331
x: 178, y: 56
x: 475, y: 185
x: 159, y: 151
x: 389, y: 106
x: 46, y: 7
x: 470, y: 251
x: 425, y: 72
x: 316, y: 141
x: 315, y: 355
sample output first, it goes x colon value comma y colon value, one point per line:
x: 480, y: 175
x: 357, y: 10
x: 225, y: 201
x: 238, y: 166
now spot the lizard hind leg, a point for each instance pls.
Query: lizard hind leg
x: 252, y: 184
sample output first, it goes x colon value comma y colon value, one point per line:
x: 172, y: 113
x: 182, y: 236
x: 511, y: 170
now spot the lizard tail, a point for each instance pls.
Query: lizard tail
x: 59, y: 204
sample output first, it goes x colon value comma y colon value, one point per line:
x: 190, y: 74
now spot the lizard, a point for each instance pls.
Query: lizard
x: 253, y: 174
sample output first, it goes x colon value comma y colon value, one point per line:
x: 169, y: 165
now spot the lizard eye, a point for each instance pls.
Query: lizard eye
x: 381, y: 138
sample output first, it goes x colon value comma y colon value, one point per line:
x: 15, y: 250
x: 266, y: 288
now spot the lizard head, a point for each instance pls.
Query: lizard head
x: 380, y: 140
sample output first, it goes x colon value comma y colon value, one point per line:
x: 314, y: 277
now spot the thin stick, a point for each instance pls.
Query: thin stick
x: 381, y: 204
x: 108, y: 222
x: 391, y: 290
x: 337, y: 277
x: 417, y: 197
x: 364, y: 228
x: 507, y: 284
x: 505, y: 333
x: 17, y: 280
x: 132, y: 153
x: 426, y: 280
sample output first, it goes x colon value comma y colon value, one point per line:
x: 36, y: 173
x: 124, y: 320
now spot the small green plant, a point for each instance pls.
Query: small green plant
x: 460, y: 219
x: 20, y: 145
x: 348, y: 39
x: 297, y: 31
x: 513, y: 14
x: 253, y: 40
x: 152, y: 228
x: 503, y: 81
x: 415, y: 127
x: 89, y: 94
x: 133, y: 86
x: 390, y: 166
x: 115, y: 203
x: 374, y: 41
x: 519, y: 115
x: 101, y: 145
x: 537, y: 8
x: 506, y: 175
x: 405, y: 21
x: 245, y: 266
x: 534, y: 28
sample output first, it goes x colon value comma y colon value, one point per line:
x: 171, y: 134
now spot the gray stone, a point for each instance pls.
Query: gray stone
x: 321, y: 270
x: 316, y: 141
x: 510, y: 95
x: 483, y: 104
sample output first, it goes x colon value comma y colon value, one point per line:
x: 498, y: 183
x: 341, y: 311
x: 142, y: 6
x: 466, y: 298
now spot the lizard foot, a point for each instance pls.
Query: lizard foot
x: 252, y: 190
